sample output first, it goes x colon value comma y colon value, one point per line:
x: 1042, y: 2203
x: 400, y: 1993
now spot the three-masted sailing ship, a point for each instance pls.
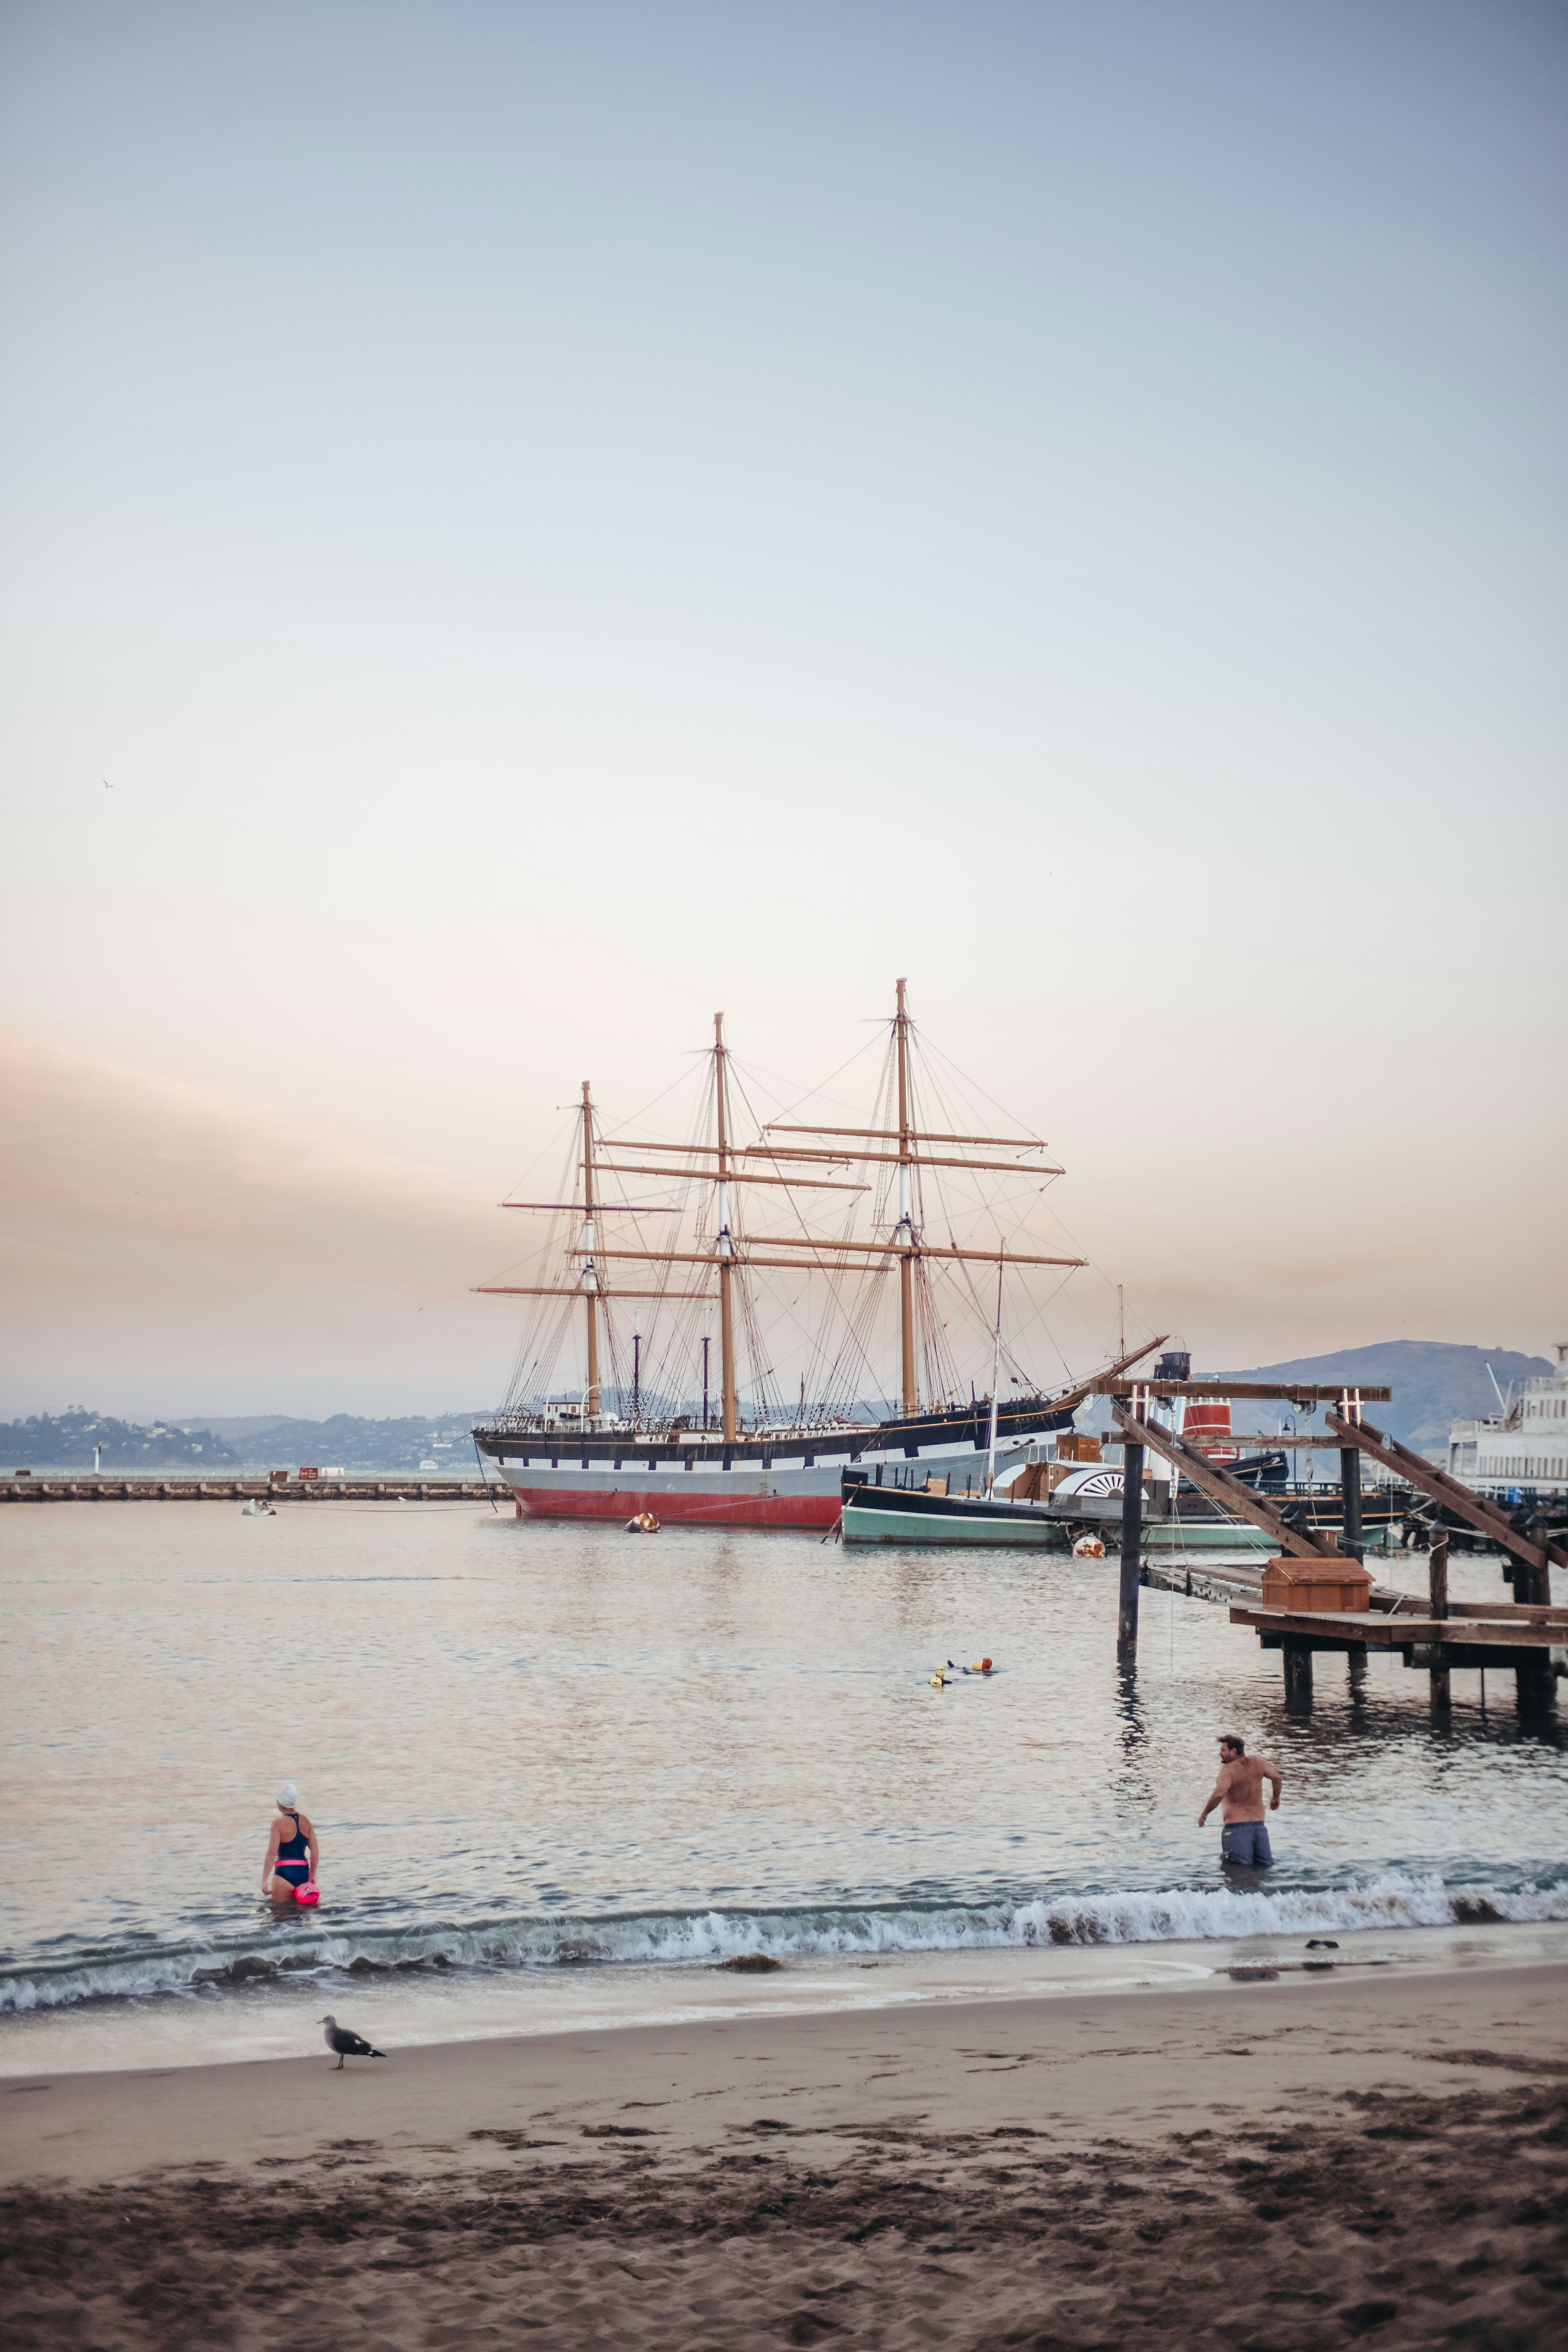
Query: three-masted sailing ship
x: 597, y: 1452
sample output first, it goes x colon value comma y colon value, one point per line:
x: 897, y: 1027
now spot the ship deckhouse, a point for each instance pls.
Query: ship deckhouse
x: 1524, y: 1449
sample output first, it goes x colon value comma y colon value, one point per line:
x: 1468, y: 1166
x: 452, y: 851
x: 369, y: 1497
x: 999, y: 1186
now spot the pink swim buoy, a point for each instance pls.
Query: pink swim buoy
x: 308, y: 1893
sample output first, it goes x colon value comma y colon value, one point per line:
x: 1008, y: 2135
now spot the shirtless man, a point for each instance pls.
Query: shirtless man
x: 1239, y: 1791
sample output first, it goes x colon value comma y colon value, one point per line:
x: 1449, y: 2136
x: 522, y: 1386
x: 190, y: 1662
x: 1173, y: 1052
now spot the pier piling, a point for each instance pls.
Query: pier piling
x: 1535, y: 1677
x: 1297, y: 1657
x: 1131, y: 1551
x: 1437, y: 1595
x: 1349, y: 1495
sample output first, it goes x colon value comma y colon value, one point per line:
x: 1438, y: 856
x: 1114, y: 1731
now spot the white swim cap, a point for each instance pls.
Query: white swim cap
x: 289, y: 1795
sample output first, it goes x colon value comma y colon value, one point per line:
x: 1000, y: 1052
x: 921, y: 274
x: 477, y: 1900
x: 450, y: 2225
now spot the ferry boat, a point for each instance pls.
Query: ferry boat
x: 773, y: 1465
x: 1524, y: 1448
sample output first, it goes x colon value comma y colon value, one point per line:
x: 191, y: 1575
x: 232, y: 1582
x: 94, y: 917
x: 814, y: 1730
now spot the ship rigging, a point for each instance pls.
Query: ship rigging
x: 566, y: 1455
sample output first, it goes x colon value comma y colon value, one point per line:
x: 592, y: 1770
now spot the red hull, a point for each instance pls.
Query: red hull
x: 691, y: 1511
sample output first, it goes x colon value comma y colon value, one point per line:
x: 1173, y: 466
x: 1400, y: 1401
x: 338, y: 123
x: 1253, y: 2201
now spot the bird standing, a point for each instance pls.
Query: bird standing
x: 347, y: 2045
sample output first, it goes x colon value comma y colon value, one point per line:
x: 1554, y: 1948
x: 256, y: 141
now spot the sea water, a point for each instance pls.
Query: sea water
x: 559, y: 1773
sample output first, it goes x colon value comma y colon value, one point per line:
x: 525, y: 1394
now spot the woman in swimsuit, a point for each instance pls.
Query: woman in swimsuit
x: 293, y: 1857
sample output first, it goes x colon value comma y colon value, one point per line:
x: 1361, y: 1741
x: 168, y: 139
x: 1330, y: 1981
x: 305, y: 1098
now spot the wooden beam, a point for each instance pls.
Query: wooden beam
x: 743, y: 1259
x: 1415, y: 1468
x: 890, y: 1134
x: 896, y: 1249
x: 1272, y: 1443
x: 1221, y: 1390
x: 826, y: 1251
x: 919, y: 1160
x: 1398, y: 1633
x: 553, y: 1290
x: 1218, y: 1485
x: 614, y: 1208
x: 1527, y: 1612
x: 710, y: 1151
x: 1134, y: 1354
x: 709, y: 1176
x: 658, y: 1257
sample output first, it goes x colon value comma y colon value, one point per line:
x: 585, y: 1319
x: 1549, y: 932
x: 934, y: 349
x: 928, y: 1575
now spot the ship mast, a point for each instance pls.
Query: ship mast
x: 724, y: 1248
x: 788, y: 1166
x: 590, y: 1274
x: 909, y: 1155
x: 905, y: 1236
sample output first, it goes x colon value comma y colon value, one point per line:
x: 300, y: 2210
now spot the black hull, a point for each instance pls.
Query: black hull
x: 904, y: 1438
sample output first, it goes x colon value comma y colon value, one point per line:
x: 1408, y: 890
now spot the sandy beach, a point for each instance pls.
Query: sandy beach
x: 1289, y: 2160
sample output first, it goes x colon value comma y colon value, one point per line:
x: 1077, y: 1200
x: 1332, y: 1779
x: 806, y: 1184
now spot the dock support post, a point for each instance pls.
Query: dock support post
x: 1535, y: 1679
x: 1437, y: 1599
x: 1536, y: 1682
x: 1350, y: 1497
x: 1131, y: 1551
x: 1297, y: 1658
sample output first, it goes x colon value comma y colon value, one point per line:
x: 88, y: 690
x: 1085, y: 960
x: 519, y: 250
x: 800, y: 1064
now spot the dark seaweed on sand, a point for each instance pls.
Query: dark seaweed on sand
x: 1407, y: 2222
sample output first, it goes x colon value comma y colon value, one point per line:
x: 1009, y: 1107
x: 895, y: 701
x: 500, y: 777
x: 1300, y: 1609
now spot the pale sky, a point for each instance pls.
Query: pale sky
x: 525, y: 525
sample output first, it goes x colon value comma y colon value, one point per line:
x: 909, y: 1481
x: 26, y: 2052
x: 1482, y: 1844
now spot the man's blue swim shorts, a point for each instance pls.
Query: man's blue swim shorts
x: 1245, y: 1842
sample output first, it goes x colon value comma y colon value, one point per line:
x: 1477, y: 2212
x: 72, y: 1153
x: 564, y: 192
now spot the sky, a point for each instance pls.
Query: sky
x: 524, y: 525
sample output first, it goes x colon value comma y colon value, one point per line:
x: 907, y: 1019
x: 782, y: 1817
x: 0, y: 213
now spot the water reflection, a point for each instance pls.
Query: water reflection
x: 520, y: 1721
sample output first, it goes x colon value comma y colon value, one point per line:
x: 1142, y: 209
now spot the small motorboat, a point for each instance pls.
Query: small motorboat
x: 257, y: 1509
x: 643, y: 1523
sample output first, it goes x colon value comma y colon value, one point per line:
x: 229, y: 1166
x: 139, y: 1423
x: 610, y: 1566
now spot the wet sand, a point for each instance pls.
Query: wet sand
x: 1296, y: 2162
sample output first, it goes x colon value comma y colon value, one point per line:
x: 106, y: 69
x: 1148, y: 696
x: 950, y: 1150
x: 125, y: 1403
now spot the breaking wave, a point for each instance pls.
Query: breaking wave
x: 193, y: 1969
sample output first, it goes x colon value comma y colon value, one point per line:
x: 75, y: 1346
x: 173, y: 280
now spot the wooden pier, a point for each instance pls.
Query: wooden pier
x: 1527, y: 1635
x: 1486, y: 1635
x: 1129, y: 1399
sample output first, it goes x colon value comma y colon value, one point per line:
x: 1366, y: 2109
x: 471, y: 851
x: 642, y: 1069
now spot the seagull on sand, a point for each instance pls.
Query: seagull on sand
x: 347, y: 2045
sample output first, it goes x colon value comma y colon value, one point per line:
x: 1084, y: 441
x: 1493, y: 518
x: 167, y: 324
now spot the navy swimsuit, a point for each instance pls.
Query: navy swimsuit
x: 293, y: 1861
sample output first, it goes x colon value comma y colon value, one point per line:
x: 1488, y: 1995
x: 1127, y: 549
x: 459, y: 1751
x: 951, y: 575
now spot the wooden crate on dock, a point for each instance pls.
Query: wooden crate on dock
x: 1327, y: 1585
x: 1073, y: 1445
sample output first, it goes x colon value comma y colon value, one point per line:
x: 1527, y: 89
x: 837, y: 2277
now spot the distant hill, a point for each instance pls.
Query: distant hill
x: 251, y: 1441
x: 348, y: 1441
x: 65, y: 1441
x: 1435, y: 1382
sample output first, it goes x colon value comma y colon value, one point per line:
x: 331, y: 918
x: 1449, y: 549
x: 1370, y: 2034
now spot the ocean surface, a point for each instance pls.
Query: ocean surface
x: 559, y: 1773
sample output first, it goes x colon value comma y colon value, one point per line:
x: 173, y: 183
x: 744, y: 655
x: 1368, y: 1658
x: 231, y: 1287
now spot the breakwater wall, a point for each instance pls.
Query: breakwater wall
x: 63, y: 1487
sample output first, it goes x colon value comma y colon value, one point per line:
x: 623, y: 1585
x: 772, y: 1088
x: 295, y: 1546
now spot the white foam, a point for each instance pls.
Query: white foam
x: 1175, y: 1915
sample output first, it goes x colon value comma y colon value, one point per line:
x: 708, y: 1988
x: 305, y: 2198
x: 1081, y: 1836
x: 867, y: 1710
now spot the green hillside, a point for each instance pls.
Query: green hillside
x: 65, y: 1441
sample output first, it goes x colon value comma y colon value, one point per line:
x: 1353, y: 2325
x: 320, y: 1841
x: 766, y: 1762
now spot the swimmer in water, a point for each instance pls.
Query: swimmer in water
x: 293, y: 1857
